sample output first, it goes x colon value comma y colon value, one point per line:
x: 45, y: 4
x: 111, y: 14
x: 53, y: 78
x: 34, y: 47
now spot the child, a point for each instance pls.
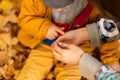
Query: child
x: 37, y: 24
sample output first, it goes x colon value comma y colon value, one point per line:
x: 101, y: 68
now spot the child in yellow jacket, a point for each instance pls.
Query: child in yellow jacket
x: 36, y: 22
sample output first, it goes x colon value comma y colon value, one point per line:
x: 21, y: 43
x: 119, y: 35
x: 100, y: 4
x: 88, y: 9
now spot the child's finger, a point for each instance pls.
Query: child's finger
x: 62, y: 28
x: 60, y: 31
x: 55, y: 34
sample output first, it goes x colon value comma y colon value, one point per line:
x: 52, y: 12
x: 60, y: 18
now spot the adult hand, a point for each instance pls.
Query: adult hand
x: 116, y: 67
x: 67, y: 53
x: 53, y: 32
x: 74, y: 36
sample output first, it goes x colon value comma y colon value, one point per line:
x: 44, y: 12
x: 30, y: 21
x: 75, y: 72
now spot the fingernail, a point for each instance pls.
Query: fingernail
x: 65, y: 45
x: 59, y: 43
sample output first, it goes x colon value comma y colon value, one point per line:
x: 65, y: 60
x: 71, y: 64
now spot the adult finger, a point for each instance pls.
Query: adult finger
x: 64, y: 45
x: 58, y: 49
x: 57, y: 55
x: 61, y: 39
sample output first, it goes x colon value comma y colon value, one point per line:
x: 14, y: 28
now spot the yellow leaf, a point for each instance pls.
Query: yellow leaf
x: 6, y: 5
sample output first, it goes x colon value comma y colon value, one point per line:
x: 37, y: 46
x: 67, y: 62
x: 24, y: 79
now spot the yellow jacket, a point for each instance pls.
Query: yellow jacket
x: 35, y: 18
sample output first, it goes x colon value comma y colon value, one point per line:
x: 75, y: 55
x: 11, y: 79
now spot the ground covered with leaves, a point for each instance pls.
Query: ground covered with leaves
x: 12, y: 53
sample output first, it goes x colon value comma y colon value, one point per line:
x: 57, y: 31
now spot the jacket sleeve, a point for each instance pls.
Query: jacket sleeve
x: 95, y: 38
x: 89, y: 66
x: 92, y: 69
x: 92, y: 27
x: 109, y: 53
x: 32, y: 18
x: 96, y: 34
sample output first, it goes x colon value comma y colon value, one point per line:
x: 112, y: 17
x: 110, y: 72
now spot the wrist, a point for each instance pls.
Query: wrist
x: 80, y: 56
x: 87, y: 37
x: 85, y: 32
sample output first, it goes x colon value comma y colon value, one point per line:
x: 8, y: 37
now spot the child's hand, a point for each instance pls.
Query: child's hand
x: 53, y: 32
x: 116, y: 67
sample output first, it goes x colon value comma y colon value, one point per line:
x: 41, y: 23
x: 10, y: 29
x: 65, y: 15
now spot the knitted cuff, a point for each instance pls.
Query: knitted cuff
x: 89, y: 66
x: 94, y: 35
